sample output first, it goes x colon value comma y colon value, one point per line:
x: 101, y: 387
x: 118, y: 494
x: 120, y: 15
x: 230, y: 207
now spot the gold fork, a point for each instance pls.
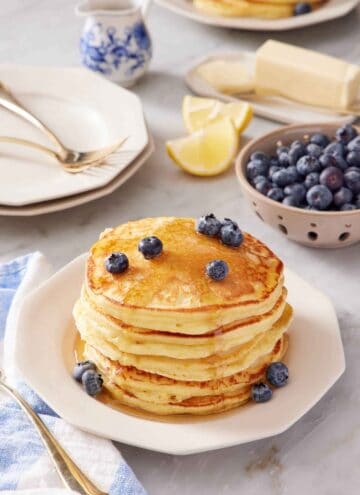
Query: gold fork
x: 72, y: 160
x: 84, y: 160
x: 71, y: 475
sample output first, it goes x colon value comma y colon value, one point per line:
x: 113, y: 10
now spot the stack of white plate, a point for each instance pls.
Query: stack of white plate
x: 86, y: 112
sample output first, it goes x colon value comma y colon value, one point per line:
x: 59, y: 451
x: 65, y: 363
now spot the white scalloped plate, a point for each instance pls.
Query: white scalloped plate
x: 332, y: 10
x: 44, y: 355
x: 86, y: 111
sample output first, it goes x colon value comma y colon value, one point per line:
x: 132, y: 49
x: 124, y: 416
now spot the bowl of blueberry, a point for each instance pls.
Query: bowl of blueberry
x: 304, y: 180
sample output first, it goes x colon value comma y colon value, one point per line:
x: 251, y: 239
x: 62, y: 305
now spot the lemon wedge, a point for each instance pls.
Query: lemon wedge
x: 199, y: 112
x: 208, y: 151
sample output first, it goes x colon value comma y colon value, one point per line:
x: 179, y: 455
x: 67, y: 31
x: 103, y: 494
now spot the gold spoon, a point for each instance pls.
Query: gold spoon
x: 71, y: 475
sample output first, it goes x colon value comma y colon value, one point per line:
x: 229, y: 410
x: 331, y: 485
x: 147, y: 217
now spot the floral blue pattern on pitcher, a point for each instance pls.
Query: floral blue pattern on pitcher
x: 115, y: 41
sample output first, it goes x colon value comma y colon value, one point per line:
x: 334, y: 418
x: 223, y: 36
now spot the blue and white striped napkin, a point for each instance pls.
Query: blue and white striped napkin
x: 24, y: 462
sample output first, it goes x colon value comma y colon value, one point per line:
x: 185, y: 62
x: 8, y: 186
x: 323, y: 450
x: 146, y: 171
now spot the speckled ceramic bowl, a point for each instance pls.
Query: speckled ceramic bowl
x: 323, y: 229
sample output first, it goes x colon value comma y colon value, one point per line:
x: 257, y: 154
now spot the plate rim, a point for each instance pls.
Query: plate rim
x: 150, y: 426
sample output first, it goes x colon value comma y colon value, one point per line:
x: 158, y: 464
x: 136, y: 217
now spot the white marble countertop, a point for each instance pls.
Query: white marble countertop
x: 320, y: 454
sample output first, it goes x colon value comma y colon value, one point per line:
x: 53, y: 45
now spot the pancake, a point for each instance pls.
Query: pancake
x: 244, y: 8
x: 92, y: 322
x: 168, y: 339
x: 265, y: 9
x: 218, y: 365
x: 171, y: 293
x: 163, y: 396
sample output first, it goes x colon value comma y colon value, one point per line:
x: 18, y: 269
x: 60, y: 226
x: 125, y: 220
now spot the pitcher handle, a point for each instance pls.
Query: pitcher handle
x: 145, y: 7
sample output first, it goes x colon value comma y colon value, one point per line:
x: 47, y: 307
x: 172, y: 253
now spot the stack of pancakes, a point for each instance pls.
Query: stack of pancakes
x: 266, y: 9
x: 166, y: 338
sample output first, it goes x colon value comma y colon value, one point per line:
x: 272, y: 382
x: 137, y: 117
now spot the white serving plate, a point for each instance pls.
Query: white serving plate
x: 86, y: 197
x: 86, y: 112
x: 278, y: 109
x: 44, y: 355
x: 332, y: 10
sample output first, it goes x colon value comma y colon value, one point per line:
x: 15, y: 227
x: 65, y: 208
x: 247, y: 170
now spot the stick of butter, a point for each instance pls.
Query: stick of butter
x: 227, y: 76
x: 305, y: 76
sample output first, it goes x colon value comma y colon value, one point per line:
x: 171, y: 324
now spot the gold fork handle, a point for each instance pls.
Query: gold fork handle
x: 8, y: 101
x: 70, y: 474
x: 30, y: 144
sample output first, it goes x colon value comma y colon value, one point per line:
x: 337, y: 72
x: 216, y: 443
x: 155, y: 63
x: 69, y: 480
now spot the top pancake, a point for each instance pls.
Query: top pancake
x: 176, y: 280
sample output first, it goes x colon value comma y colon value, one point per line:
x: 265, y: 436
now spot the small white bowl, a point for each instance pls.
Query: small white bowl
x: 323, y: 229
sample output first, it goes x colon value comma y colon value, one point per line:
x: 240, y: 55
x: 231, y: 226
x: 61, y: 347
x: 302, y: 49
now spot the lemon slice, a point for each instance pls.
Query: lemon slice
x: 208, y: 151
x: 199, y: 112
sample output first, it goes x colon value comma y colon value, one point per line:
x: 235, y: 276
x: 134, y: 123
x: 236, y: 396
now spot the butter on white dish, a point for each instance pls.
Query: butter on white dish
x: 227, y: 76
x: 306, y: 76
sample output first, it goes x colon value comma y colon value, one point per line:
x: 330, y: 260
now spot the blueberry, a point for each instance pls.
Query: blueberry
x: 335, y: 149
x: 231, y: 235
x: 357, y: 202
x: 320, y: 139
x: 308, y: 164
x: 256, y: 167
x: 258, y: 178
x: 297, y: 143
x: 261, y: 392
x: 320, y: 197
x: 260, y: 155
x: 228, y: 221
x: 273, y: 169
x: 274, y: 161
x: 277, y: 374
x: 150, y: 247
x: 312, y: 180
x: 296, y: 152
x: 327, y: 160
x: 353, y: 158
x: 284, y: 160
x: 217, y: 270
x: 346, y: 133
x: 209, y: 225
x: 354, y: 144
x: 332, y: 177
x: 298, y: 191
x: 263, y: 186
x: 284, y: 177
x: 352, y: 179
x: 314, y: 149
x: 117, y: 263
x: 80, y: 368
x: 347, y: 207
x: 341, y: 162
x: 92, y: 382
x: 342, y: 196
x: 276, y: 193
x: 282, y: 149
x: 290, y: 201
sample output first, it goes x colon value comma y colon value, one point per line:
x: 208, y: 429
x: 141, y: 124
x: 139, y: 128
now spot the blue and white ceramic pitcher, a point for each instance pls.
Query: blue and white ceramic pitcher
x: 115, y: 41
